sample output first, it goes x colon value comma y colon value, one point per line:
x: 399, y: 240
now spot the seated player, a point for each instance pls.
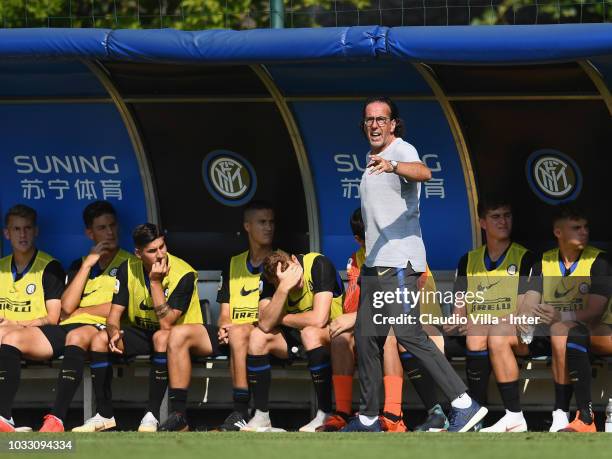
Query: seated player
x: 492, y: 274
x: 299, y: 297
x: 343, y: 354
x: 86, y: 302
x: 571, y: 298
x: 158, y: 290
x: 31, y: 286
x: 239, y: 299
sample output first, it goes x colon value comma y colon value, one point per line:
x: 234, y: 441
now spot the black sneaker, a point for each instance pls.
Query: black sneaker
x: 234, y: 422
x: 176, y: 422
x: 436, y: 421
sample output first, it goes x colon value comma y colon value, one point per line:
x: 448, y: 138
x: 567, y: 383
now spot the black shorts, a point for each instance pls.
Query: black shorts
x: 56, y: 335
x: 293, y: 338
x: 213, y: 333
x: 138, y: 341
x: 540, y: 346
x: 454, y: 346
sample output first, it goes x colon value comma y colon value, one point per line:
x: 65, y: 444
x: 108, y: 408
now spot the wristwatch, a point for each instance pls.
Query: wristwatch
x: 394, y: 164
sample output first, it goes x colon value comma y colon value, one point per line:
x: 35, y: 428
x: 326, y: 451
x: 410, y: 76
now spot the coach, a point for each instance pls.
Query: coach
x: 395, y: 257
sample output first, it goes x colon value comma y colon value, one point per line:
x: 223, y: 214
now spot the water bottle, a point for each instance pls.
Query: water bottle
x: 609, y: 416
x: 527, y: 336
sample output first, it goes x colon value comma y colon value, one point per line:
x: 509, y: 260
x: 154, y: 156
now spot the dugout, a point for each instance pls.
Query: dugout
x: 182, y: 128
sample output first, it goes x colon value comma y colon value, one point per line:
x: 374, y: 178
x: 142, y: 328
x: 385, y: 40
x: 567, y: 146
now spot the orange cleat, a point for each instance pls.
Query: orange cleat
x: 334, y: 423
x: 52, y: 424
x: 6, y: 425
x: 577, y: 425
x: 391, y: 423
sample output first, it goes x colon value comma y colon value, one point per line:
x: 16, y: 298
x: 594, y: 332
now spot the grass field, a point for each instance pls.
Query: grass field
x: 214, y: 445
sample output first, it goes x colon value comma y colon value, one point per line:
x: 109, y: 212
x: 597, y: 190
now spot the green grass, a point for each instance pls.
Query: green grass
x: 214, y: 445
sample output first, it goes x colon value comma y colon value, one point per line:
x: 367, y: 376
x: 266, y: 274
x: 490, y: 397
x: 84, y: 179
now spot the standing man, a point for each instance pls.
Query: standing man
x: 395, y: 258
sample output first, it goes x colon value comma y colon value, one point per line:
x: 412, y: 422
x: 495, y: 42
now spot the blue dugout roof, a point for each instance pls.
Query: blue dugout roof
x: 454, y: 44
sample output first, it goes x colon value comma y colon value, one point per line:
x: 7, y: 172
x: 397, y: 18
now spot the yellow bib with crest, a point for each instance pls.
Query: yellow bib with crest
x: 301, y: 301
x: 567, y: 293
x: 494, y: 292
x: 244, y: 288
x: 24, y: 299
x: 99, y: 290
x: 140, y: 309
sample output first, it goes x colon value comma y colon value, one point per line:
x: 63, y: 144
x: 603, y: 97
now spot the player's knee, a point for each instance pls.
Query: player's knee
x: 240, y: 334
x: 177, y: 338
x: 160, y: 340
x: 313, y: 337
x: 15, y: 339
x: 476, y: 343
x: 559, y: 329
x: 497, y: 343
x: 258, y: 342
x: 78, y: 337
x: 99, y: 343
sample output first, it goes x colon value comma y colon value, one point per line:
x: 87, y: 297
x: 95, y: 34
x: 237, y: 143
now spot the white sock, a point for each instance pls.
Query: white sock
x: 367, y: 420
x: 462, y: 402
x: 514, y: 416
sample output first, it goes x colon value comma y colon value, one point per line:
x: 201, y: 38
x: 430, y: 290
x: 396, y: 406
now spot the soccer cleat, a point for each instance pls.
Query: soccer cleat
x: 7, y: 425
x: 52, y: 424
x: 578, y: 425
x: 96, y: 424
x: 464, y: 419
x: 436, y: 421
x: 23, y: 429
x: 316, y: 422
x: 355, y: 425
x: 560, y: 420
x: 149, y: 423
x: 234, y: 422
x: 260, y: 422
x: 391, y: 423
x: 334, y: 422
x: 176, y: 422
x: 508, y: 423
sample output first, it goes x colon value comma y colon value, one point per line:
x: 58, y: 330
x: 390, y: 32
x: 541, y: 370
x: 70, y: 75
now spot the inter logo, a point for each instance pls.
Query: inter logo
x: 553, y: 176
x: 31, y: 288
x: 229, y: 177
x: 512, y: 269
x: 113, y: 272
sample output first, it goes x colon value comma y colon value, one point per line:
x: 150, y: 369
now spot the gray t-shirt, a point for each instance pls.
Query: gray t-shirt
x: 390, y: 210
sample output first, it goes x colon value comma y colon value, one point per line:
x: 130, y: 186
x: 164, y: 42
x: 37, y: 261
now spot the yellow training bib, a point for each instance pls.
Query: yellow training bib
x: 494, y: 292
x: 140, y: 308
x: 99, y: 290
x: 244, y: 288
x: 567, y: 293
x: 24, y: 299
x: 302, y: 301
